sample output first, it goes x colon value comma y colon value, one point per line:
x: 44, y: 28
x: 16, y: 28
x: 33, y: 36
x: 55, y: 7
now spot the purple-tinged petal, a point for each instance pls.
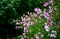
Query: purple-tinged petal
x: 50, y: 1
x: 46, y: 4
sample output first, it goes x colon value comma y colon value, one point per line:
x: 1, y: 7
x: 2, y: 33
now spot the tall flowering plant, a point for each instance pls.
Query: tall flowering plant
x: 40, y: 24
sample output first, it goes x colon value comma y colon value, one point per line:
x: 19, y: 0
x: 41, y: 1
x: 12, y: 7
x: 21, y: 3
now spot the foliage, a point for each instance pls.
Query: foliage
x: 11, y: 12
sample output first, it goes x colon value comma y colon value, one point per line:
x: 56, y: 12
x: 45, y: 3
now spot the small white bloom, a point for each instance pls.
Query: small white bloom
x: 42, y: 35
x: 17, y: 23
x: 18, y: 27
x: 53, y: 31
x: 47, y: 30
x: 24, y: 33
x: 28, y: 12
x: 46, y: 4
x: 32, y: 23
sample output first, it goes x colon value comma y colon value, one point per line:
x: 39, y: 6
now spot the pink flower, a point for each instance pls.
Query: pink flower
x: 46, y: 27
x: 38, y: 10
x: 37, y: 37
x: 24, y: 19
x: 28, y: 19
x: 51, y: 1
x: 34, y: 14
x: 53, y: 35
x: 28, y: 24
x: 50, y: 9
x: 46, y: 4
x: 46, y: 15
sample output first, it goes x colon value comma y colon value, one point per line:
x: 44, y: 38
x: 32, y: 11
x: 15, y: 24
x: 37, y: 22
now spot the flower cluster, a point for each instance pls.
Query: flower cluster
x: 47, y: 3
x: 49, y: 22
x: 53, y: 34
x: 17, y: 24
x: 47, y: 15
x: 30, y: 19
x: 38, y: 17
